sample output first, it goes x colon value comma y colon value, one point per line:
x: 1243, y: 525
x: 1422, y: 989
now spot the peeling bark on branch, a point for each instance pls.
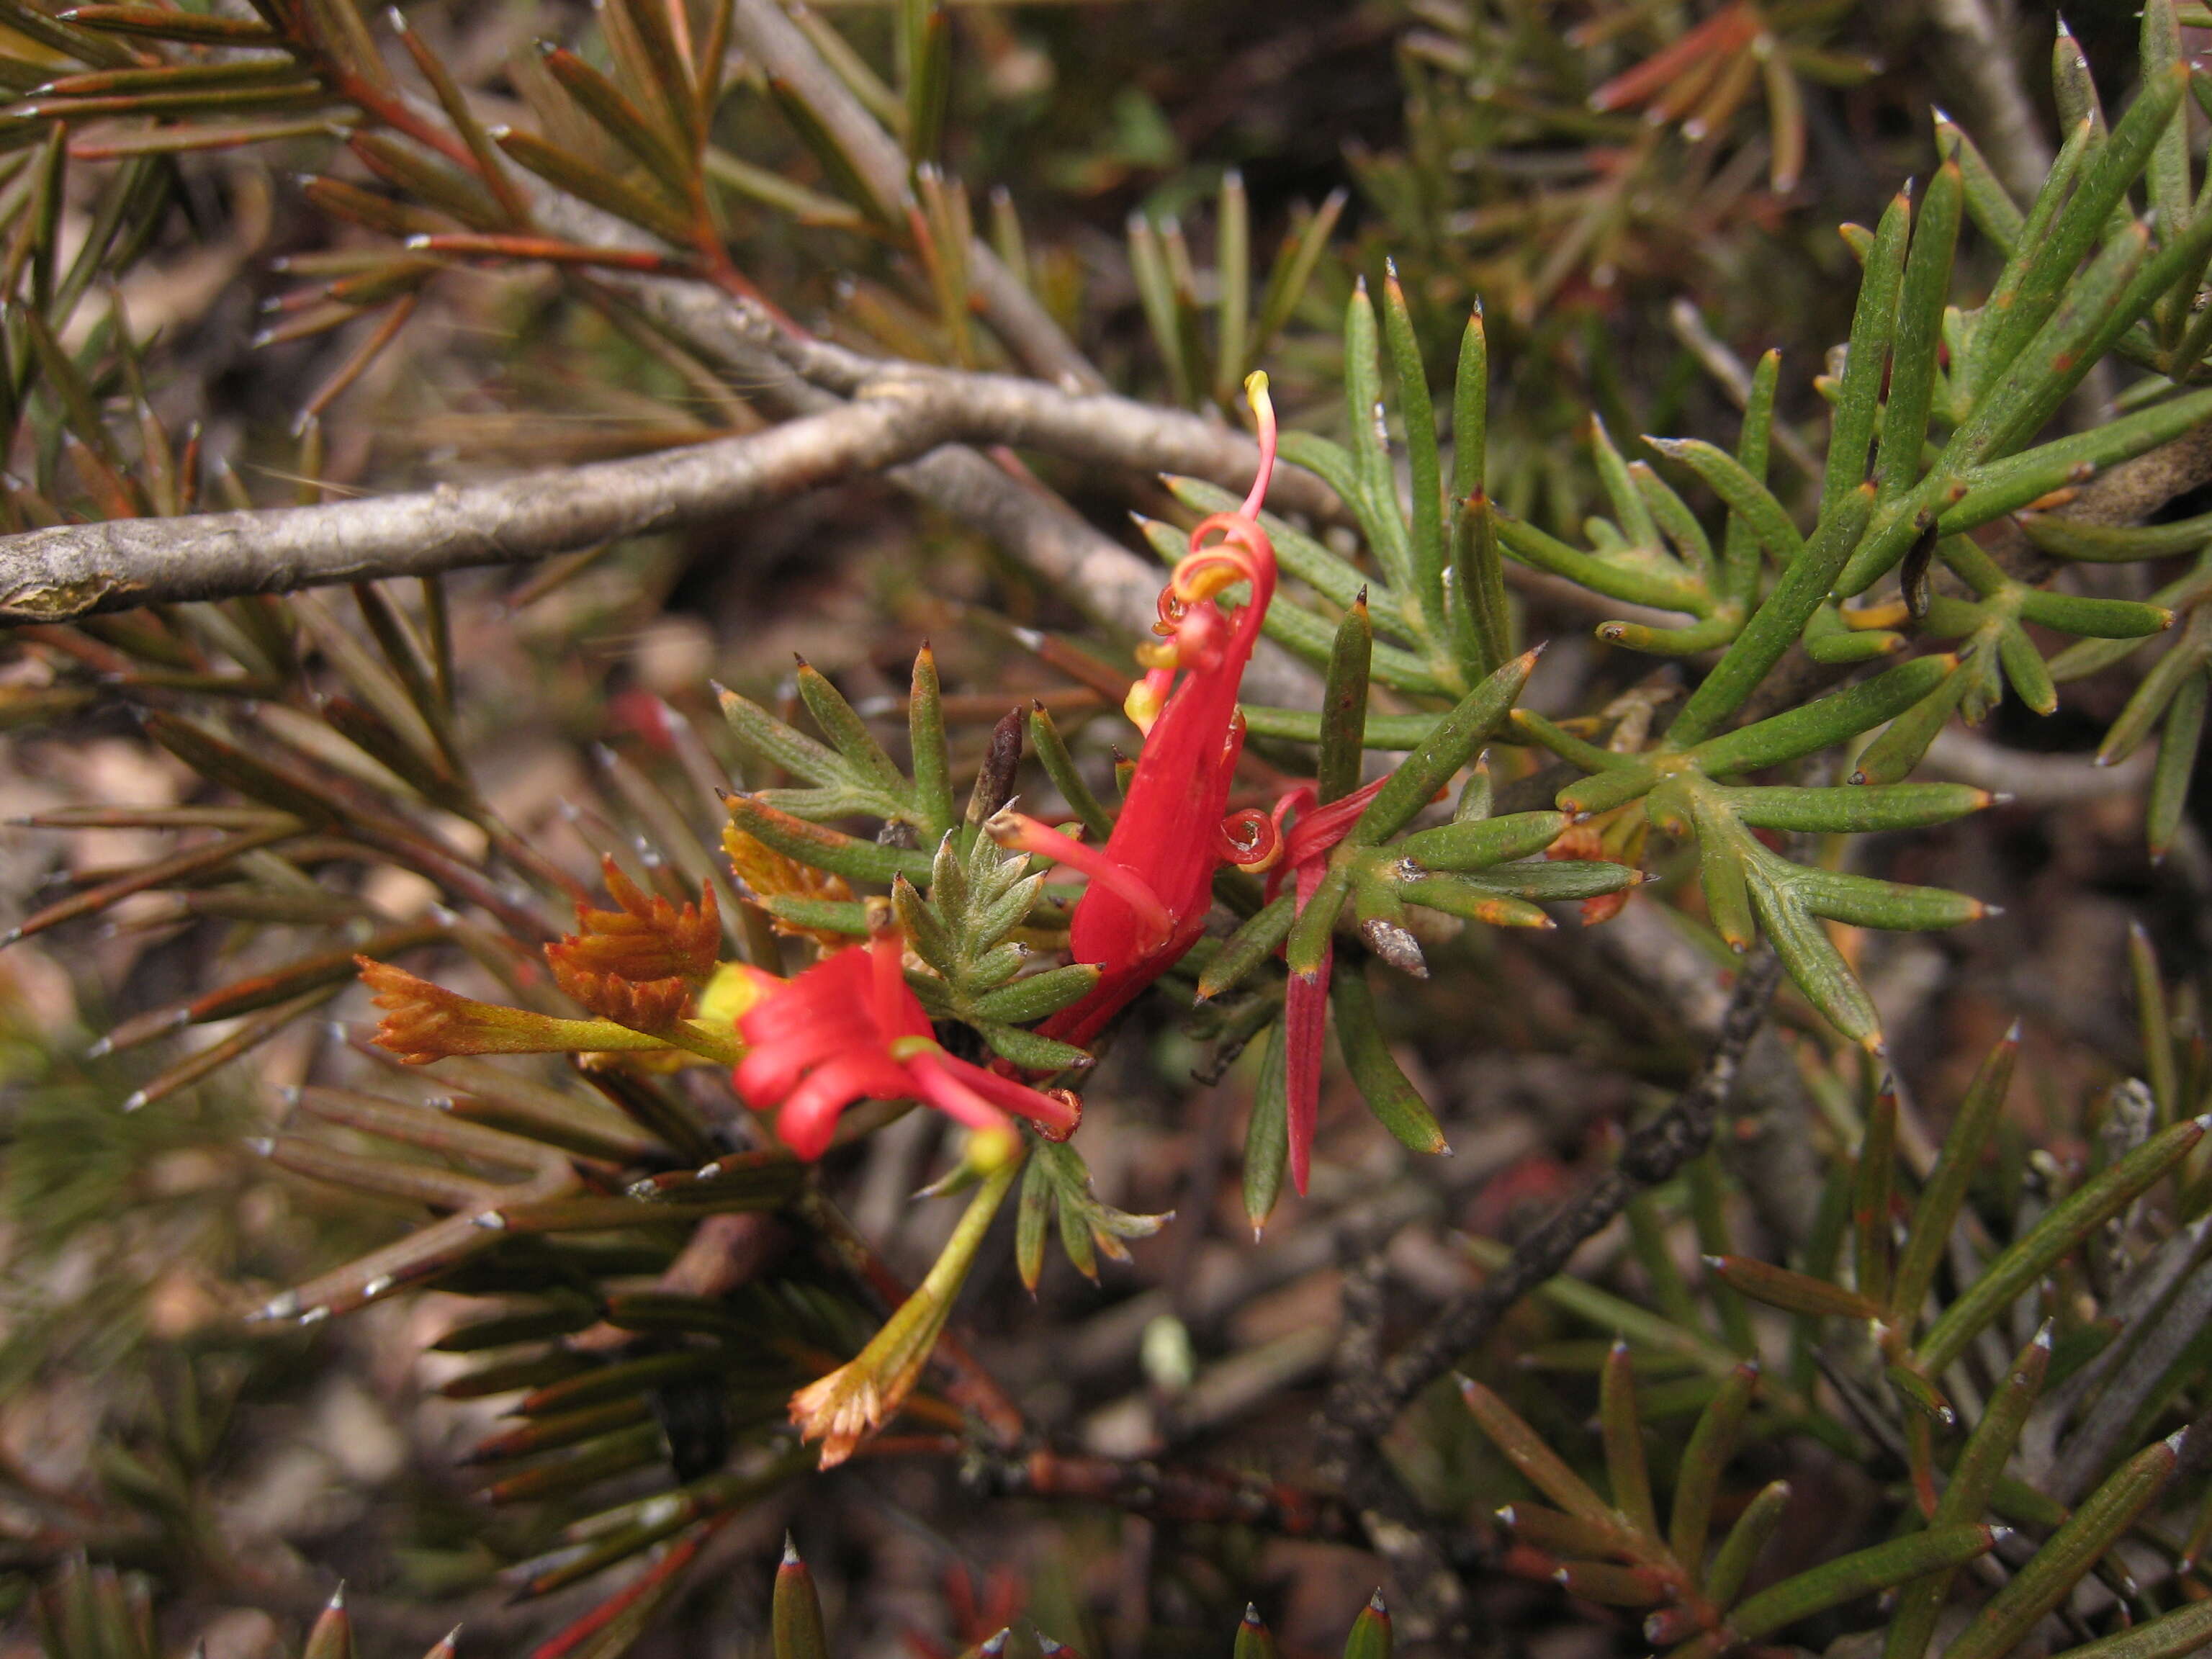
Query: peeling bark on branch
x: 895, y: 418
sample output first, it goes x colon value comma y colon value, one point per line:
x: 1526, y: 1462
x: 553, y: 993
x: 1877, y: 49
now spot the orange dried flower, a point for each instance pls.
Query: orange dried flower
x: 643, y: 1005
x: 647, y: 939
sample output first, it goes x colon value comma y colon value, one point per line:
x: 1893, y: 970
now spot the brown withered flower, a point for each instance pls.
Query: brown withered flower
x: 638, y: 965
x: 647, y: 939
x: 643, y: 1005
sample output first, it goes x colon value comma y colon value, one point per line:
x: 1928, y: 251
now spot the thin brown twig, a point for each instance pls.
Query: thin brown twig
x: 1653, y: 1153
x: 1141, y: 1486
x: 1363, y: 1405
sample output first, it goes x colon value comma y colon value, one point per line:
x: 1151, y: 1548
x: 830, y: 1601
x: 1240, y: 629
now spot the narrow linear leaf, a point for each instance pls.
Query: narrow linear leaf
x: 1862, y: 1573
x: 2052, y: 1239
x: 2095, y: 1526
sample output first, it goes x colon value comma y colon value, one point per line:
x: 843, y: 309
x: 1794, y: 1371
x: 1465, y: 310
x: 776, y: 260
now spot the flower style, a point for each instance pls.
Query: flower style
x: 1151, y: 883
x: 849, y: 1029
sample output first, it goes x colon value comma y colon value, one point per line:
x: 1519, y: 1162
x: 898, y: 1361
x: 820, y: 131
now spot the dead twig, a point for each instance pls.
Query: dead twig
x: 1362, y: 1407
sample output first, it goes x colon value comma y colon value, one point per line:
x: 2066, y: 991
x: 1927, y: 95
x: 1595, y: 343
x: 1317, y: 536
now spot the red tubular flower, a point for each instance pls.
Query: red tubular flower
x: 1152, y: 882
x: 1305, y: 998
x: 849, y: 1029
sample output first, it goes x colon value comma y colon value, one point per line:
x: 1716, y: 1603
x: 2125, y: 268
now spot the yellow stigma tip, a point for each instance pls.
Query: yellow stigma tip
x: 1255, y: 394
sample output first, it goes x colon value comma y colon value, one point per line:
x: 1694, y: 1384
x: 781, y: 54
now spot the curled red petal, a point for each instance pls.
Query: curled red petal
x: 1321, y: 828
x: 808, y: 1118
x: 1250, y: 840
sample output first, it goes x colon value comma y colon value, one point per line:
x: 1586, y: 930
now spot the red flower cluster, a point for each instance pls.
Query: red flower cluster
x: 1151, y: 884
x: 849, y: 1029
